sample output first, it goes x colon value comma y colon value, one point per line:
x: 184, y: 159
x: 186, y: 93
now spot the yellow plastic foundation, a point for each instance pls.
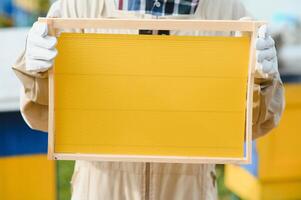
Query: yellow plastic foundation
x: 151, y: 95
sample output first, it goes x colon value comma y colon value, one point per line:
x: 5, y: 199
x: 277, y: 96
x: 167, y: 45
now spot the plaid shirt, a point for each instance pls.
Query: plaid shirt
x: 159, y: 7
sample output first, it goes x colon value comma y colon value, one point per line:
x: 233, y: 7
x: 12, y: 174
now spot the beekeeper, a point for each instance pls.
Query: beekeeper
x: 133, y: 181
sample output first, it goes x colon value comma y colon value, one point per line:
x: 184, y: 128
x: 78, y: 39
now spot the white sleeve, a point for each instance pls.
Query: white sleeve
x: 55, y: 9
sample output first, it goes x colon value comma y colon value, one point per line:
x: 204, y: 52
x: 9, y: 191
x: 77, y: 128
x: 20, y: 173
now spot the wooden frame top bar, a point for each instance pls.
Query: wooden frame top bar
x: 154, y: 24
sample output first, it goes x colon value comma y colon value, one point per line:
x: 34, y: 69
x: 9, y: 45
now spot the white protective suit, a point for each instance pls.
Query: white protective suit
x: 145, y: 181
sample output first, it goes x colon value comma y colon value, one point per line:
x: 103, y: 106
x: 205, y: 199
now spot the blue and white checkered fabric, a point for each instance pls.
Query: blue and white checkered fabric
x: 159, y: 7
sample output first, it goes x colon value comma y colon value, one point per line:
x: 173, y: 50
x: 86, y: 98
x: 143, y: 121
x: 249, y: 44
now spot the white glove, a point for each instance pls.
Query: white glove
x: 40, y: 48
x: 266, y: 53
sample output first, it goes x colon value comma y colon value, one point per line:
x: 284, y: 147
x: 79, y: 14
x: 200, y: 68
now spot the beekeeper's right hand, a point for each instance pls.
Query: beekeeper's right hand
x: 40, y: 48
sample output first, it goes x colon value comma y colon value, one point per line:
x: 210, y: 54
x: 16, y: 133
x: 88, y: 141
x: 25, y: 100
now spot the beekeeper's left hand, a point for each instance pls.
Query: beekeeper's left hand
x: 266, y: 52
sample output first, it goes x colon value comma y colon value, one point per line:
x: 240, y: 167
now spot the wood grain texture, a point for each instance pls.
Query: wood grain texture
x: 154, y: 159
x: 249, y: 111
x: 51, y: 115
x: 155, y: 24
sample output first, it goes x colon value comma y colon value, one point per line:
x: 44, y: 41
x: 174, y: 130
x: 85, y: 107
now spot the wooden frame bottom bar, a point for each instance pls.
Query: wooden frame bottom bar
x: 154, y: 159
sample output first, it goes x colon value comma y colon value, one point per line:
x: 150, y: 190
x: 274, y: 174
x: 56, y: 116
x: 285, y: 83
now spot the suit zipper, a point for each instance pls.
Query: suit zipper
x: 147, y: 181
x: 147, y: 165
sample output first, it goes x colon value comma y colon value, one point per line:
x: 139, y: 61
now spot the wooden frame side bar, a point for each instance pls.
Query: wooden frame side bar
x: 249, y: 113
x: 51, y: 110
x: 154, y: 24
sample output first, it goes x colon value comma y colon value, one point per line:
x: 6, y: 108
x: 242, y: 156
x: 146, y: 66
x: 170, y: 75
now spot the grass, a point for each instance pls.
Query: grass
x: 64, y: 174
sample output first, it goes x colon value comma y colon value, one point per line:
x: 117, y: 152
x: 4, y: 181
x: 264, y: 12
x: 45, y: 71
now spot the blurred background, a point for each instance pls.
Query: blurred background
x: 25, y: 172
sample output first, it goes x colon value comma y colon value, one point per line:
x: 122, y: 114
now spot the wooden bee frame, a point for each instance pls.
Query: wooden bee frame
x: 250, y: 27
